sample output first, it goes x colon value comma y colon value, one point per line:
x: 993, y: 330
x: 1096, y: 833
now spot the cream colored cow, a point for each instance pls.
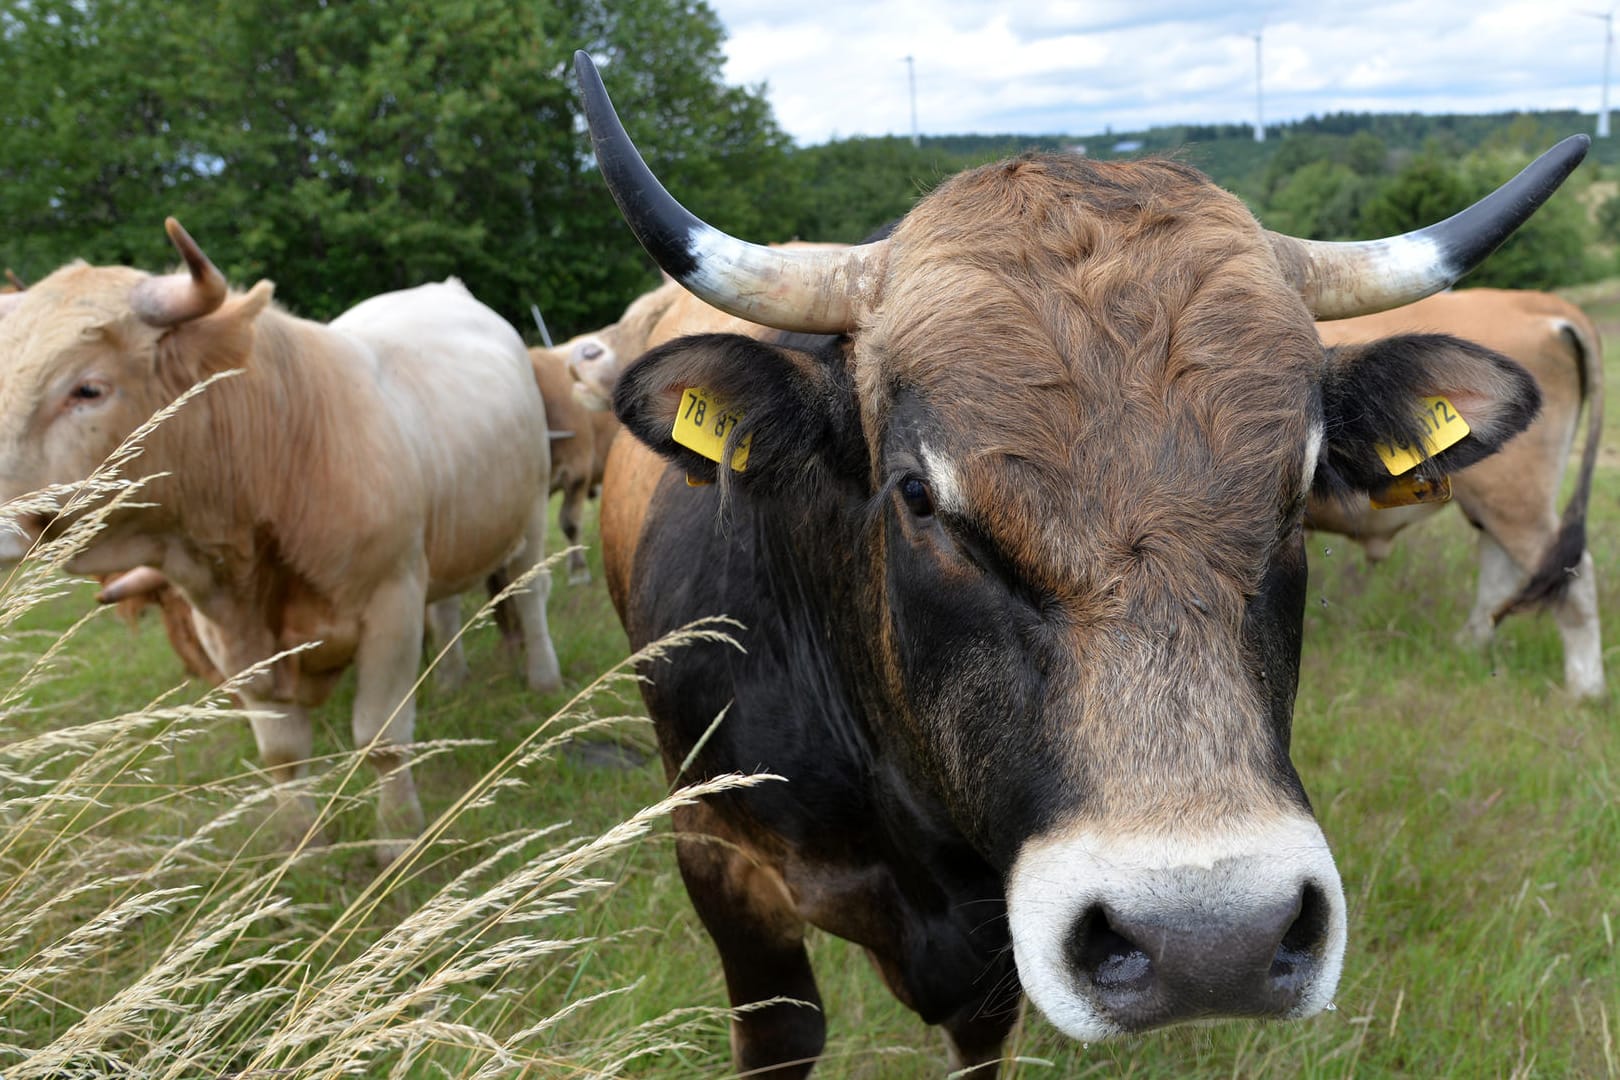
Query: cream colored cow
x: 349, y: 475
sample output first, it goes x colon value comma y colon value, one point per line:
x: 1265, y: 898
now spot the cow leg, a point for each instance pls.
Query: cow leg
x: 281, y: 728
x: 540, y: 657
x: 1506, y: 556
x: 1577, y: 618
x: 760, y: 938
x: 444, y: 624
x: 286, y: 743
x: 1499, y: 578
x: 386, y: 664
x: 569, y: 516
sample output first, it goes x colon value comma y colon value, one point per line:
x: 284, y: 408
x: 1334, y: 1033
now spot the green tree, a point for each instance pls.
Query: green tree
x: 1426, y: 190
x: 355, y: 146
x: 1320, y: 201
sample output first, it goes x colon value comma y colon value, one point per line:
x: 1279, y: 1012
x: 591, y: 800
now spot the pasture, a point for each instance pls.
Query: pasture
x: 147, y: 916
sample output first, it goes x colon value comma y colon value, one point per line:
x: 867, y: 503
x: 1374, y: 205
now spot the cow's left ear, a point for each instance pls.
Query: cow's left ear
x: 721, y: 393
x: 219, y: 341
x: 1380, y: 394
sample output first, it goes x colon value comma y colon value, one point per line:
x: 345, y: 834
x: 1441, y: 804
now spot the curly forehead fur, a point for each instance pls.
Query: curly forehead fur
x: 1107, y: 351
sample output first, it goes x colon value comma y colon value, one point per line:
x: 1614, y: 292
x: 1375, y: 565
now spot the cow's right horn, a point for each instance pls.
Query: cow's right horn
x: 812, y: 291
x: 177, y: 298
x: 1341, y: 280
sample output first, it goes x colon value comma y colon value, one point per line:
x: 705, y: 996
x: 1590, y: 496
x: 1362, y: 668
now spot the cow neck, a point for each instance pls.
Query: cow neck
x: 256, y: 447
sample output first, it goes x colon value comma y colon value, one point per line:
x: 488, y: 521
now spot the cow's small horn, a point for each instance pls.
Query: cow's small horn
x: 17, y: 283
x: 813, y: 291
x: 177, y: 298
x: 1340, y: 280
x: 141, y: 581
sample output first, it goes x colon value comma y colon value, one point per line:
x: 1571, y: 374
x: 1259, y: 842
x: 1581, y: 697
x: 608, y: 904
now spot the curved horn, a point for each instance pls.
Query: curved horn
x: 1342, y: 280
x: 817, y: 292
x: 141, y: 581
x: 17, y: 283
x: 176, y: 298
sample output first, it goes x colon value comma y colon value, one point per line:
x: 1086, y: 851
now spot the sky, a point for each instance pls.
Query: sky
x: 836, y: 68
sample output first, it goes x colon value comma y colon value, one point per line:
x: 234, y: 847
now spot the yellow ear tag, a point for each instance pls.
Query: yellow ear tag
x: 1443, y: 426
x: 1411, y: 490
x: 702, y: 423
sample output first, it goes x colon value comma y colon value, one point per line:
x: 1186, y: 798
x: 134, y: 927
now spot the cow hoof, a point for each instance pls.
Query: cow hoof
x: 580, y: 577
x: 1474, y: 636
x: 1586, y: 691
x: 545, y: 677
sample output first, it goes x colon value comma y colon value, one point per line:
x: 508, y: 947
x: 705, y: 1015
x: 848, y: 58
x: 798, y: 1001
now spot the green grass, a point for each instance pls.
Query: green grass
x: 1474, y: 812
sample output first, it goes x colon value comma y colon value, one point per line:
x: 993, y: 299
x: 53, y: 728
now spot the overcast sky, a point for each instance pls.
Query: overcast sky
x: 835, y: 68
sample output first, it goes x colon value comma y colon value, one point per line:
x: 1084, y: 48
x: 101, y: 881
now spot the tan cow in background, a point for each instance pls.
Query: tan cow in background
x: 580, y: 437
x: 349, y: 475
x: 1528, y: 556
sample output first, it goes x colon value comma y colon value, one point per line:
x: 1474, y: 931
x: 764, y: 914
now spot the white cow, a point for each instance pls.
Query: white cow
x: 352, y: 473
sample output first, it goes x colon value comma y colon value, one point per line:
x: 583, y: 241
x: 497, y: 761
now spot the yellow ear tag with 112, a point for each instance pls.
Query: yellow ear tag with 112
x: 702, y: 423
x: 1443, y: 426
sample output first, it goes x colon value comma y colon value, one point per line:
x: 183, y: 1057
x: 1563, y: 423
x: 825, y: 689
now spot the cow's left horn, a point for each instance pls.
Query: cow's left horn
x: 176, y: 298
x: 814, y: 291
x: 1342, y: 280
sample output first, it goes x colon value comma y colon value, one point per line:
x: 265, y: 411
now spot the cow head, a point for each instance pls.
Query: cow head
x: 595, y: 365
x: 90, y: 353
x: 1079, y: 407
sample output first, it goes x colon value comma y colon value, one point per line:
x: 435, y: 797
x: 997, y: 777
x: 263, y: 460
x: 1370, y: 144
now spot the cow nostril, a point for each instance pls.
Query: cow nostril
x: 1299, y: 951
x: 1112, y: 962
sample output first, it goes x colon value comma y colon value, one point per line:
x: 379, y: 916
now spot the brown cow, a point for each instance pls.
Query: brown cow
x: 1018, y: 555
x: 1526, y: 555
x: 350, y: 475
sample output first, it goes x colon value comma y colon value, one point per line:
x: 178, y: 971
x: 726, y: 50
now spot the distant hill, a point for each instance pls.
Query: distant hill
x: 1229, y: 154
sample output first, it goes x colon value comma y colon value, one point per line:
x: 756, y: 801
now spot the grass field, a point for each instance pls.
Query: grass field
x: 1474, y: 813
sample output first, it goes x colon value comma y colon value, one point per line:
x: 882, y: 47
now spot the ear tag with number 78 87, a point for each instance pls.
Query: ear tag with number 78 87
x: 702, y: 423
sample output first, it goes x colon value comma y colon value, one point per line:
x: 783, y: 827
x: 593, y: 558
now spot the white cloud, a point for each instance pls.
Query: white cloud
x: 836, y: 68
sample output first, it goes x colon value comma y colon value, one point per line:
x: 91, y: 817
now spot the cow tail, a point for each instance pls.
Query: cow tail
x: 1562, y: 560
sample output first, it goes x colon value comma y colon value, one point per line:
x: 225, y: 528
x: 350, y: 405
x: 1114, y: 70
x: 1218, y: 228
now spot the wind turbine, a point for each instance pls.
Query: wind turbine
x: 1608, y: 51
x: 911, y: 73
x: 1259, y: 111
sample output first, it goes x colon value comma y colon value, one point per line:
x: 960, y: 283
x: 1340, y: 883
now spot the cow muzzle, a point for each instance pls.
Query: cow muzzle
x: 1114, y: 935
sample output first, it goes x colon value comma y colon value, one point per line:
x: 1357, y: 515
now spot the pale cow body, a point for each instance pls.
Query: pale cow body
x: 1512, y: 497
x: 349, y: 474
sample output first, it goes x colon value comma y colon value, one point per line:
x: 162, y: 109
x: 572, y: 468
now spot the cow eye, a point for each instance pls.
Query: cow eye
x: 914, y: 490
x: 87, y: 392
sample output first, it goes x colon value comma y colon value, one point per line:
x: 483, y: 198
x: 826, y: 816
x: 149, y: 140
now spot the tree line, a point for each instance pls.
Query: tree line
x: 348, y: 147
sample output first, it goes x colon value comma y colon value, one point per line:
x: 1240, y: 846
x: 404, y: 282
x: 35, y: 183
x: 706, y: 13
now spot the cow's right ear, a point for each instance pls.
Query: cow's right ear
x: 795, y: 413
x: 1378, y: 394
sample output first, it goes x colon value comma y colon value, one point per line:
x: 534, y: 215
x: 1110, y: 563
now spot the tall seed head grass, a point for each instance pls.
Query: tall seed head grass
x: 150, y: 928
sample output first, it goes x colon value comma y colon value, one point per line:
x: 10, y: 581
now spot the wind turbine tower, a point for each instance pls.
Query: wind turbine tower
x: 1259, y: 99
x: 911, y: 75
